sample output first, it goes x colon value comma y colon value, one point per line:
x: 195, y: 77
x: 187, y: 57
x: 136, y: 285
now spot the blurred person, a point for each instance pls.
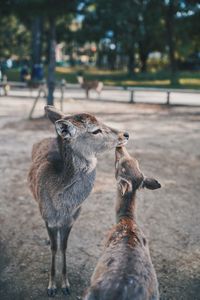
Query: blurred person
x: 24, y: 74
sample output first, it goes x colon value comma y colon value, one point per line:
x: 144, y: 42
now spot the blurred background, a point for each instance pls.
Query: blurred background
x: 135, y: 65
x: 152, y: 43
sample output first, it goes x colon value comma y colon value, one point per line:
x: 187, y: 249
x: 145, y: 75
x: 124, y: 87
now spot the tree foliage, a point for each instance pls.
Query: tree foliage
x: 167, y: 26
x: 127, y: 29
x: 14, y: 37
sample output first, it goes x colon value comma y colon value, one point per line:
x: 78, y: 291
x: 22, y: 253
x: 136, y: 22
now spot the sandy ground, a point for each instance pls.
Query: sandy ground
x: 166, y: 141
x: 121, y: 95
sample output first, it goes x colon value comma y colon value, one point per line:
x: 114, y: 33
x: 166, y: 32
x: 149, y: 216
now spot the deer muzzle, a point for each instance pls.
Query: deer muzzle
x: 122, y: 139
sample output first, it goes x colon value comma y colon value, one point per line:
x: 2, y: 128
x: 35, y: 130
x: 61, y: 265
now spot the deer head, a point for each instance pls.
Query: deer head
x: 86, y: 135
x: 128, y: 174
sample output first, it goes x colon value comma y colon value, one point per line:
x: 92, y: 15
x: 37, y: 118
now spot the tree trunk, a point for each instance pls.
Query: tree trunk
x: 143, y: 58
x: 170, y: 35
x: 144, y: 64
x: 131, y: 62
x: 52, y: 61
x: 36, y: 47
x: 36, y: 40
x: 99, y: 59
x: 112, y: 60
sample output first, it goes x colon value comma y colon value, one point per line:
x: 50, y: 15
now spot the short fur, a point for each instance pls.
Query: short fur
x: 90, y: 85
x: 125, y: 271
x: 62, y: 175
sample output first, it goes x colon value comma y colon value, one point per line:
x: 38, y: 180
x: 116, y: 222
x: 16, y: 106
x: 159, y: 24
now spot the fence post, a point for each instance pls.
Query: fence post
x: 34, y: 105
x: 42, y: 88
x: 62, y: 90
x: 168, y: 97
x: 132, y: 96
x: 6, y: 86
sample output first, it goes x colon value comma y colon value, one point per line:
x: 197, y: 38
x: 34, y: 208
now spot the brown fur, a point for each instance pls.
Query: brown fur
x: 90, y: 85
x: 125, y: 271
x: 39, y: 158
x: 126, y: 228
x: 62, y: 175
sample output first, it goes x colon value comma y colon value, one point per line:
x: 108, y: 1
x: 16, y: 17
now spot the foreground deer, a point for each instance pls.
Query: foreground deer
x: 90, y: 85
x: 125, y: 270
x: 62, y: 175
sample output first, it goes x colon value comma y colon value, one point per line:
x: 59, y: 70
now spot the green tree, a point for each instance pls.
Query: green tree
x: 134, y: 24
x: 188, y: 29
x: 176, y: 14
x: 50, y: 10
x: 151, y: 30
x: 118, y: 17
x: 171, y: 9
x: 14, y: 37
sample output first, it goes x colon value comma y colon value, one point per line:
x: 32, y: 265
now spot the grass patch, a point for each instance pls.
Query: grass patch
x: 13, y: 74
x: 162, y: 79
x: 189, y: 80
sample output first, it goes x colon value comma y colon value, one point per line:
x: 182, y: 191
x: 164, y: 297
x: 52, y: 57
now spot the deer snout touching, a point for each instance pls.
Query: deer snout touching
x: 122, y: 138
x: 125, y: 270
x: 127, y: 170
x: 126, y: 135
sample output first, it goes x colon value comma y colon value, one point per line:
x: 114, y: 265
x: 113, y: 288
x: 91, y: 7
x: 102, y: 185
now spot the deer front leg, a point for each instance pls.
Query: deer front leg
x: 52, y: 232
x: 64, y: 234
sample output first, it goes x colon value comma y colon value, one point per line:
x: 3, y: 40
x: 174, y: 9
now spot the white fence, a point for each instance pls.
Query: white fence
x: 109, y: 93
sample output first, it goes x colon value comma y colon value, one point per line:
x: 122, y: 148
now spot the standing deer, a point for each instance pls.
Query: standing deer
x: 125, y: 271
x: 62, y: 176
x: 90, y: 85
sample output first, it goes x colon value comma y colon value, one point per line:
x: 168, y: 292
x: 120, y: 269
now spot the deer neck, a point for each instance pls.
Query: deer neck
x: 125, y: 207
x: 73, y: 162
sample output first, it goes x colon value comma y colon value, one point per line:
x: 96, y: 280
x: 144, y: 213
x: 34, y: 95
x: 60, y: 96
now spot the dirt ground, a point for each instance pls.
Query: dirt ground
x: 166, y: 141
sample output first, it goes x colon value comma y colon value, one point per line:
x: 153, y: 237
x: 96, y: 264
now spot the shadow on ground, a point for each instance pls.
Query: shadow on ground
x: 167, y: 144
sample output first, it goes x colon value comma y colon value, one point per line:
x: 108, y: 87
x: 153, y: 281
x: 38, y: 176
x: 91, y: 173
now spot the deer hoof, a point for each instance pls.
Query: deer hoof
x: 66, y: 291
x: 51, y: 292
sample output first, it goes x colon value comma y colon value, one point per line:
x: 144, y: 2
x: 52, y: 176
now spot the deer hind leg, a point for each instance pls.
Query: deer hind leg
x: 98, y: 93
x: 87, y: 93
x: 64, y: 235
x: 52, y: 232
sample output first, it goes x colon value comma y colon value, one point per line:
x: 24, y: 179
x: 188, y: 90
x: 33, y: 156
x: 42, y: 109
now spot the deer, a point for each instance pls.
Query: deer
x: 62, y: 175
x: 125, y: 270
x: 90, y: 85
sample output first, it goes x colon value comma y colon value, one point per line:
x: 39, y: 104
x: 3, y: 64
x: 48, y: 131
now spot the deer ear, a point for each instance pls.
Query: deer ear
x: 53, y: 114
x: 151, y: 184
x: 124, y: 185
x: 65, y: 129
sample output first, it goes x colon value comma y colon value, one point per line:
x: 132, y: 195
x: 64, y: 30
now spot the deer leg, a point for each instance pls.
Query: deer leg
x: 52, y: 232
x: 64, y: 235
x: 99, y: 94
x: 87, y: 93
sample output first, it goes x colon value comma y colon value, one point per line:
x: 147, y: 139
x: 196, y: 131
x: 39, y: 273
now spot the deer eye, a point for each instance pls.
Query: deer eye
x: 97, y: 131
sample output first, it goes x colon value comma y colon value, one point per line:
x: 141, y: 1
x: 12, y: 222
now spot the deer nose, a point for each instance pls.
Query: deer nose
x: 126, y: 135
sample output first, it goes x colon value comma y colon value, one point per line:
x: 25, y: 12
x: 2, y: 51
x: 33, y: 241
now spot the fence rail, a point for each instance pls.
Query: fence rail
x: 162, y: 90
x: 126, y: 94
